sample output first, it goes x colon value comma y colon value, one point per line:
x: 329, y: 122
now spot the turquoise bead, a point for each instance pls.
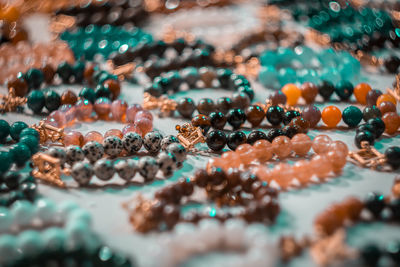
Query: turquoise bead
x: 352, y: 116
x: 30, y: 242
x: 268, y: 76
x: 34, y: 78
x: 54, y: 239
x: 36, y: 101
x: 4, y: 129
x: 8, y: 249
x: 344, y: 90
x: 331, y: 74
x: 305, y: 55
x: 5, y: 161
x: 285, y: 56
x: 308, y: 75
x: 52, y: 100
x: 268, y: 58
x: 32, y: 142
x: 287, y: 75
x: 16, y: 128
x: 20, y: 154
x: 88, y: 93
x: 29, y: 131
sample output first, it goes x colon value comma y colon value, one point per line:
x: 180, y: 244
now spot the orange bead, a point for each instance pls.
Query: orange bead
x: 385, y: 97
x: 361, y: 91
x: 331, y: 116
x: 392, y: 122
x: 292, y: 93
x: 10, y: 14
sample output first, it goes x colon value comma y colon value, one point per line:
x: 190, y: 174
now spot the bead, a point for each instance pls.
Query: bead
x: 321, y: 144
x: 126, y: 169
x: 143, y: 114
x: 240, y: 100
x: 326, y: 89
x: 246, y: 153
x: 93, y: 136
x: 102, y: 92
x: 186, y: 107
x: 144, y: 125
x: 112, y: 146
x: 118, y: 110
x: 291, y: 130
x: 114, y: 132
x: 74, y: 154
x: 344, y: 90
x: 114, y: 87
x: 65, y: 71
x: 384, y: 98
x: 68, y: 97
x: 289, y: 115
x: 392, y: 155
x: 256, y: 135
x: 45, y: 210
x: 82, y: 173
x: 20, y: 86
x: 104, y: 169
x: 29, y: 243
x: 361, y: 91
x: 132, y: 142
x: 148, y: 168
x: 236, y: 117
x: 5, y: 161
x: 255, y: 114
x: 366, y: 136
x: 34, y: 78
x: 282, y: 146
x: 278, y: 98
x: 309, y: 92
x: 393, y: 249
x: 73, y: 138
x: 372, y: 97
x: 12, y: 180
x: 93, y: 151
x: 52, y: 100
x: 392, y: 64
x: 375, y: 203
x: 303, y: 124
x: 370, y: 254
x: 235, y: 139
x: 216, y: 140
x: 178, y: 151
x: 32, y: 142
x: 224, y: 104
x: 131, y: 128
x: 4, y: 129
x: 352, y: 116
x: 275, y: 115
x: 84, y: 109
x: 331, y: 116
x: 166, y: 141
x: 301, y: 144
x: 20, y: 154
x: 152, y: 141
x: 292, y: 93
x: 263, y: 150
x: 102, y: 107
x: 386, y: 106
x: 273, y: 133
x: 166, y: 163
x: 36, y: 101
x: 23, y: 213
x: 378, y: 126
x: 217, y: 120
x: 88, y: 94
x: 48, y: 73
x: 26, y: 132
x: 371, y: 112
x: 58, y: 153
x: 16, y: 128
x: 205, y: 106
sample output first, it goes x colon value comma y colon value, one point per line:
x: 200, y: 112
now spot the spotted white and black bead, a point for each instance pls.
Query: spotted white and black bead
x: 104, y: 169
x: 148, y: 167
x: 178, y: 151
x: 132, y: 142
x: 166, y: 141
x: 152, y: 141
x: 93, y: 151
x: 126, y: 169
x: 112, y: 146
x: 59, y: 153
x: 166, y: 163
x: 82, y: 173
x: 74, y: 154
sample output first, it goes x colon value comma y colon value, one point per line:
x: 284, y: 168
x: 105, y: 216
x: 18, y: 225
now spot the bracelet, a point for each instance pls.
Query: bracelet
x: 16, y: 187
x: 155, y: 6
x: 12, y: 32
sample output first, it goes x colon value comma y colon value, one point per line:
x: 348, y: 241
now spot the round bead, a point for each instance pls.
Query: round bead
x: 34, y: 78
x: 281, y: 146
x: 6, y: 219
x: 235, y: 139
x: 216, y: 140
x: 148, y: 168
x: 186, y: 107
x: 114, y: 87
x: 392, y: 122
x: 5, y: 161
x: 27, y: 132
x: 22, y: 212
x: 240, y: 100
x: 344, y: 90
x: 20, y: 86
x: 370, y: 254
x: 29, y: 242
x: 392, y: 155
x: 166, y: 141
x: 263, y: 150
x: 102, y: 106
x: 255, y: 114
x: 112, y: 146
x: 378, y: 126
x: 36, y: 101
x: 58, y: 153
x: 8, y: 249
x: 93, y: 151
x: 309, y: 92
x: 384, y: 98
x: 361, y: 91
x: 65, y: 71
x: 104, y: 169
x: 217, y: 120
x: 73, y: 138
x: 256, y: 135
x: 118, y: 110
x: 166, y: 163
x: 52, y: 100
x: 312, y: 114
x: 4, y: 129
x: 152, y: 141
x: 352, y: 116
x: 45, y: 210
x: 292, y: 93
x: 275, y: 115
x: 236, y: 117
x: 202, y: 121
x: 205, y: 106
x: 301, y: 144
x: 126, y: 169
x: 88, y: 94
x: 178, y: 151
x: 114, y: 132
x: 387, y: 106
x: 371, y: 112
x: 224, y: 104
x: 375, y: 203
x: 331, y: 116
x: 278, y: 98
x: 366, y: 136
x: 32, y: 142
x: 20, y: 154
x: 321, y: 144
x: 326, y: 89
x: 82, y: 173
x: 74, y: 154
x: 132, y: 142
x: 372, y: 97
x: 273, y: 133
x: 16, y: 128
x: 289, y: 115
x: 54, y: 239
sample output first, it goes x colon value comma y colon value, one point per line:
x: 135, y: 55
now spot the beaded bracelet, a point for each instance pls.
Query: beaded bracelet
x: 258, y: 201
x: 15, y: 186
x: 165, y: 7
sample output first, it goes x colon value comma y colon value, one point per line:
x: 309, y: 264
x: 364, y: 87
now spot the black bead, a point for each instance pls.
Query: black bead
x: 29, y: 190
x: 247, y: 90
x: 256, y: 135
x: 371, y: 112
x: 392, y: 155
x: 289, y: 115
x: 275, y: 115
x: 235, y: 139
x: 236, y: 117
x: 364, y: 127
x: 224, y: 77
x: 392, y: 64
x: 273, y: 133
x: 378, y: 125
x: 393, y: 250
x: 370, y: 254
x: 218, y: 120
x: 326, y: 89
x: 364, y: 136
x: 52, y: 100
x: 394, y: 206
x: 216, y: 140
x: 102, y: 91
x: 290, y: 130
x: 375, y: 203
x: 224, y: 104
x: 65, y: 71
x: 12, y: 179
x: 78, y: 70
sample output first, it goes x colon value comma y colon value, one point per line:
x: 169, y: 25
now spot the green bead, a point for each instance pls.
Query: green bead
x: 52, y: 100
x: 102, y: 91
x: 5, y: 161
x: 20, y: 154
x: 4, y: 129
x: 29, y: 131
x: 65, y: 71
x: 352, y: 116
x: 78, y: 70
x: 34, y: 78
x: 36, y: 101
x: 88, y: 93
x: 32, y: 142
x: 344, y: 90
x: 16, y: 128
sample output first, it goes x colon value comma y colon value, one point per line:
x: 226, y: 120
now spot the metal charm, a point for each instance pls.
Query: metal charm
x: 189, y: 135
x: 368, y: 156
x: 48, y: 169
x: 48, y: 132
x: 11, y: 102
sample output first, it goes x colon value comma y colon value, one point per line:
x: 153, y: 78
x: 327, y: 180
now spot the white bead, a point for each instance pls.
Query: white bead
x: 210, y: 232
x: 77, y: 232
x: 8, y: 248
x: 30, y: 242
x: 6, y: 219
x: 66, y: 207
x: 45, y: 210
x: 54, y: 238
x: 23, y: 212
x: 234, y: 233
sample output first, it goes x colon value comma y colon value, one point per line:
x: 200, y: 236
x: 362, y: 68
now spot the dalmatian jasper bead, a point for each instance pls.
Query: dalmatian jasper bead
x: 104, y: 169
x: 74, y: 154
x: 166, y: 163
x: 148, y: 168
x: 82, y: 172
x: 93, y: 151
x: 132, y: 142
x: 112, y: 146
x: 152, y: 141
x: 126, y: 169
x: 166, y: 141
x: 59, y: 153
x: 178, y: 151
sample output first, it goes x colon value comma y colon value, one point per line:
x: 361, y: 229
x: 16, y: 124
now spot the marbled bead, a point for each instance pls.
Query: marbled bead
x: 301, y: 144
x: 246, y: 153
x: 126, y: 169
x: 112, y: 146
x: 205, y: 106
x: 152, y: 141
x: 58, y: 153
x: 84, y: 109
x: 167, y: 140
x: 104, y: 169
x: 132, y: 142
x: 131, y: 128
x: 69, y: 112
x: 186, y: 107
x: 144, y: 125
x: 386, y: 106
x: 372, y: 96
x: 255, y: 114
x: 178, y: 150
x: 166, y: 163
x: 282, y: 146
x: 144, y: 114
x: 312, y: 114
x: 309, y: 92
x: 74, y: 154
x: 93, y: 136
x: 93, y: 151
x: 392, y: 122
x: 321, y: 144
x: 118, y: 110
x: 73, y: 138
x: 114, y: 132
x: 82, y: 173
x: 131, y: 112
x: 102, y: 107
x: 148, y: 168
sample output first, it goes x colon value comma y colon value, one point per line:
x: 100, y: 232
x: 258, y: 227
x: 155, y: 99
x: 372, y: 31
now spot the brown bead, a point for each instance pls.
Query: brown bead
x: 18, y: 35
x: 205, y: 106
x: 240, y: 100
x: 20, y: 86
x: 392, y: 122
x: 269, y: 207
x: 186, y: 107
x: 302, y: 123
x: 187, y: 186
x: 68, y: 97
x: 327, y: 223
x: 88, y: 73
x: 171, y: 215
x: 309, y: 92
x: 353, y: 206
x: 201, y: 178
x: 255, y: 115
x: 207, y: 76
x: 48, y: 72
x: 114, y: 87
x: 201, y: 121
x: 233, y: 177
x: 164, y: 194
x: 386, y: 107
x: 224, y: 104
x: 217, y: 176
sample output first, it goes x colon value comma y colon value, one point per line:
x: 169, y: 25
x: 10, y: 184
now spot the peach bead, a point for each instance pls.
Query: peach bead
x: 360, y: 92
x: 246, y: 153
x: 57, y: 119
x: 118, y: 110
x: 331, y: 116
x: 144, y: 125
x: 232, y: 158
x: 263, y: 150
x: 321, y: 144
x: 84, y: 109
x: 69, y: 112
x: 337, y: 159
x: 216, y: 163
x: 114, y: 132
x: 321, y: 165
x: 302, y: 171
x: 263, y: 173
x: 144, y: 114
x: 102, y: 107
x: 384, y: 98
x: 392, y: 122
x: 292, y: 93
x: 282, y: 146
x: 283, y: 174
x: 339, y: 146
x: 93, y: 136
x: 73, y: 138
x: 131, y: 112
x: 301, y: 144
x: 131, y: 128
